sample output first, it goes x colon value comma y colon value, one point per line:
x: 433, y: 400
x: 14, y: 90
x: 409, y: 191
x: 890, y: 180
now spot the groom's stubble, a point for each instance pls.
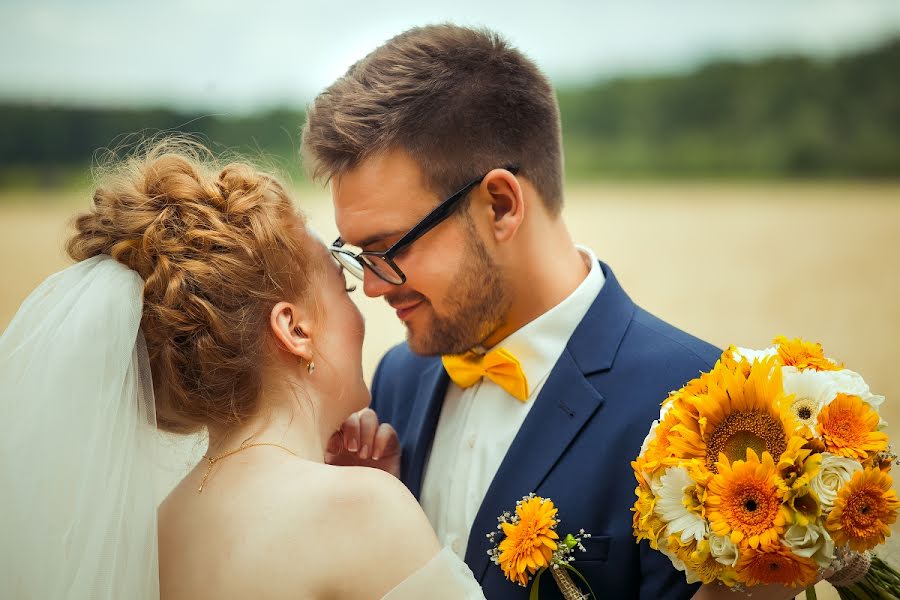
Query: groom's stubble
x: 475, y: 306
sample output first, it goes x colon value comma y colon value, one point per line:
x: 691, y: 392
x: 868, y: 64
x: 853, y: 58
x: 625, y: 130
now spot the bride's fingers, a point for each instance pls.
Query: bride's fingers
x: 386, y: 442
x: 350, y: 432
x: 368, y: 426
x: 335, y: 443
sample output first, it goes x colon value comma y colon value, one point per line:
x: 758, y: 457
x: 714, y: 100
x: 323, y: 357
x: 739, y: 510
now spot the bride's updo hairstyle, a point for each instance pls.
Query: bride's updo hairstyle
x: 217, y: 248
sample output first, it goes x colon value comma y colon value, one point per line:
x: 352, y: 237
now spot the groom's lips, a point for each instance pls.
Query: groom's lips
x: 405, y: 309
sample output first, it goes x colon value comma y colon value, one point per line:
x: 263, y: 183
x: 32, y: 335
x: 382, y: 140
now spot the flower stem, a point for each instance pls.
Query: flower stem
x: 566, y: 585
x: 811, y: 593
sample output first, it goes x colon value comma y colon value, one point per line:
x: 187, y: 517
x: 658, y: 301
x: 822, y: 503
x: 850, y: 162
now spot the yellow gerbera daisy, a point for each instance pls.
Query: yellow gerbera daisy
x: 743, y: 502
x: 849, y: 427
x: 739, y: 411
x: 776, y: 565
x: 804, y: 355
x: 698, y: 559
x: 529, y: 542
x: 796, y: 467
x: 864, y: 510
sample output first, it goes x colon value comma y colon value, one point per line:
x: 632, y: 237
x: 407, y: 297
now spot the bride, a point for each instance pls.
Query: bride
x: 206, y: 282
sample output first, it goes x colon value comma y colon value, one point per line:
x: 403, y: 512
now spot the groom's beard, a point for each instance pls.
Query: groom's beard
x: 475, y: 307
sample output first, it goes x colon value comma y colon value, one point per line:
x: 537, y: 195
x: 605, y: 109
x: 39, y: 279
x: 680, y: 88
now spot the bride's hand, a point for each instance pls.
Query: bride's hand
x: 718, y: 591
x: 363, y: 442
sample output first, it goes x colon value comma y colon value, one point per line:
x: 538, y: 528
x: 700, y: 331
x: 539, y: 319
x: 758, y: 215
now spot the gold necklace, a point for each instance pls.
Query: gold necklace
x: 213, y: 460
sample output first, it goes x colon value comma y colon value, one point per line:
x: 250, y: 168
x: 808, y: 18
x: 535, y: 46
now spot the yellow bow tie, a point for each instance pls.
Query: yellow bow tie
x: 500, y: 366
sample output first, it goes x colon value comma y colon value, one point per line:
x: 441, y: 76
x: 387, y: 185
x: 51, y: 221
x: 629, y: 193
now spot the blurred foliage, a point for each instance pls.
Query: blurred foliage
x: 773, y: 118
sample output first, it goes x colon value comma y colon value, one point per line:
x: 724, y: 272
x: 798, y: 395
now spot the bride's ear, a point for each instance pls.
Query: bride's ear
x: 291, y: 330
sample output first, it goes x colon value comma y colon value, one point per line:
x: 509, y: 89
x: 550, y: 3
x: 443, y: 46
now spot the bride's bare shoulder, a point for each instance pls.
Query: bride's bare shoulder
x: 294, y: 525
x: 372, y: 521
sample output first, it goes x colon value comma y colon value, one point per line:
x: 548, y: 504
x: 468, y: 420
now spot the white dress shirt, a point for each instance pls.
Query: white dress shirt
x: 477, y: 425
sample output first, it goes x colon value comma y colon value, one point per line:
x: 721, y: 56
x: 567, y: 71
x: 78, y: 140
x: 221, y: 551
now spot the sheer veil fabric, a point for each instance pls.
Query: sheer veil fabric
x: 78, y: 450
x: 82, y: 466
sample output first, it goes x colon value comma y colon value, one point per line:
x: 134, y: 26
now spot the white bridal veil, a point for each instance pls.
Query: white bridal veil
x: 78, y: 496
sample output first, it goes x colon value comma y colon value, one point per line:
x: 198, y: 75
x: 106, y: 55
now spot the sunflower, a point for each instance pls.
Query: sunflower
x: 743, y: 502
x: 804, y: 355
x: 529, y: 542
x: 849, y: 427
x: 776, y: 565
x: 796, y: 468
x: 739, y: 411
x: 864, y: 510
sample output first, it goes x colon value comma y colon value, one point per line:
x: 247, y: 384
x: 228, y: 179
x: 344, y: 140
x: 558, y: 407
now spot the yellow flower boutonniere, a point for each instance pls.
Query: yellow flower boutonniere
x: 526, y: 545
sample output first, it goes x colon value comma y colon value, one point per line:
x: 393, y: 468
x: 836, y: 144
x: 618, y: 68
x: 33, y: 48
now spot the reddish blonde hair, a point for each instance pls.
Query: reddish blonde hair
x: 217, y: 248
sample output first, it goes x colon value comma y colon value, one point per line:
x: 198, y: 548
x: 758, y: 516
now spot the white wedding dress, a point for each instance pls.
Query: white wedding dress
x: 445, y: 577
x: 80, y: 452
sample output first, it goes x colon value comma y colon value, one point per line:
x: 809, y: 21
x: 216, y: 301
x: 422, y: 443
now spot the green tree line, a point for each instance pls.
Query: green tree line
x: 777, y: 117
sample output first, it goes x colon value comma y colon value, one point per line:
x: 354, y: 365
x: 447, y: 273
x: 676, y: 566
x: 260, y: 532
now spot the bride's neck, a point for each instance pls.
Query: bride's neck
x: 287, y: 417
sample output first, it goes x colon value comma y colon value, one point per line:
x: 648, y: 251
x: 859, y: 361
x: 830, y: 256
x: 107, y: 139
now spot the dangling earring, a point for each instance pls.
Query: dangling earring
x: 310, y: 366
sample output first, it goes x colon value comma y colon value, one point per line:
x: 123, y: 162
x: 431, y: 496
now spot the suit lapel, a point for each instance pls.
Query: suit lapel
x: 423, y: 422
x: 564, y: 405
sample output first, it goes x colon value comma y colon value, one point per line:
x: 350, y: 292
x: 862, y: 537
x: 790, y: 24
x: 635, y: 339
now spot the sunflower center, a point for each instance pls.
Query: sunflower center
x: 804, y: 413
x: 750, y: 505
x: 745, y: 429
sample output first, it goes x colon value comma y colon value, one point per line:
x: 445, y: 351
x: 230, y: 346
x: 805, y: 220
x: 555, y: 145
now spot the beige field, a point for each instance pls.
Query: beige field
x: 729, y: 262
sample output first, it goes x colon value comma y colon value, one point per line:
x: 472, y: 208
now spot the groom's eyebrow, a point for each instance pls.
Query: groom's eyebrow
x: 374, y: 239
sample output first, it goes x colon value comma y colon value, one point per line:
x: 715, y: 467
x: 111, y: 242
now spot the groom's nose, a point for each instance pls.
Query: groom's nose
x: 373, y: 285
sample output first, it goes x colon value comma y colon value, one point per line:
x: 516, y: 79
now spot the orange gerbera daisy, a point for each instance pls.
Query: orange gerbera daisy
x: 776, y: 565
x: 849, y: 427
x: 864, y: 510
x: 804, y: 355
x: 743, y: 502
x: 529, y: 542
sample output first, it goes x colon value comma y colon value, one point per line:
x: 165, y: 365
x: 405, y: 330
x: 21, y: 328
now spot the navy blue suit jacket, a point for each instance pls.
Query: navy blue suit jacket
x: 575, y: 446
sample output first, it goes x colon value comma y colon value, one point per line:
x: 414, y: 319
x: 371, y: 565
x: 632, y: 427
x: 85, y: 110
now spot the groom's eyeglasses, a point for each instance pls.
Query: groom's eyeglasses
x: 382, y: 263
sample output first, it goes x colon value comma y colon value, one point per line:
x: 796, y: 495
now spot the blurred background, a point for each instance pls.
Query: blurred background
x: 738, y: 164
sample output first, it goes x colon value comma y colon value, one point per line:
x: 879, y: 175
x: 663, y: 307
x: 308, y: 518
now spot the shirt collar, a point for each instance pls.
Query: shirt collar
x: 539, y: 344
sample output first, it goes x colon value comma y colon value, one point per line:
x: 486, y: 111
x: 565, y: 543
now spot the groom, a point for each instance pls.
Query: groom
x: 527, y: 368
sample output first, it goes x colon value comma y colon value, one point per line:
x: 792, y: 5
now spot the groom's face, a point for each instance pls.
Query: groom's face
x: 454, y: 296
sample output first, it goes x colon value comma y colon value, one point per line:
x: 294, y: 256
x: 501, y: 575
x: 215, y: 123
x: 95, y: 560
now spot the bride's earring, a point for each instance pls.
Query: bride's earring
x: 310, y: 366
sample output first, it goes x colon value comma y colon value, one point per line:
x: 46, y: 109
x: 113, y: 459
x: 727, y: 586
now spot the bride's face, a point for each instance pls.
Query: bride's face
x: 338, y: 342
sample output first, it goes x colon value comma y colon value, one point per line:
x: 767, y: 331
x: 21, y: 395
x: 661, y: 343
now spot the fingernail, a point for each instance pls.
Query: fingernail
x: 351, y: 446
x: 364, y: 453
x: 376, y: 456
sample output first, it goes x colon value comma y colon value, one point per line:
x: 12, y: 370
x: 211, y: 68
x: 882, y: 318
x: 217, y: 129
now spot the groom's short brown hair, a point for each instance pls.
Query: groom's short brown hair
x: 459, y: 101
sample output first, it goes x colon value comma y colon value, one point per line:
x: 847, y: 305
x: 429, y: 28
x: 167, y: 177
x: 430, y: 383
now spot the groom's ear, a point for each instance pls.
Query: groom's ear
x: 291, y: 330
x: 507, y: 203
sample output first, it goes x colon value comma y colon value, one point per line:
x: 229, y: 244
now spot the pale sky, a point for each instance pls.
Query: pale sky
x: 234, y: 56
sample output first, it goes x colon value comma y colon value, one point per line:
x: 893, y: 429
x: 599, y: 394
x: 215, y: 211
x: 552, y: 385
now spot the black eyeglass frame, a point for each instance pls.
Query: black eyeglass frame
x: 440, y: 213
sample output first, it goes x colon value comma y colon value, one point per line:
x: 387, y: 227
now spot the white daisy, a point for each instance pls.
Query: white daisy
x: 677, y: 504
x: 812, y: 390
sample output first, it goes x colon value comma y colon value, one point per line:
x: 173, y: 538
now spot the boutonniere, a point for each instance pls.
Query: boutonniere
x: 526, y: 545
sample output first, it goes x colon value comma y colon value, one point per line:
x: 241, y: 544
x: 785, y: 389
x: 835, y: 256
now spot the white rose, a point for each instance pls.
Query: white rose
x: 810, y: 542
x: 834, y: 472
x: 651, y: 435
x: 851, y: 382
x: 752, y: 355
x: 723, y: 549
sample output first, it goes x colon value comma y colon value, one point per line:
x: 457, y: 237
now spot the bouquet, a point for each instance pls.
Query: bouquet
x: 771, y: 468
